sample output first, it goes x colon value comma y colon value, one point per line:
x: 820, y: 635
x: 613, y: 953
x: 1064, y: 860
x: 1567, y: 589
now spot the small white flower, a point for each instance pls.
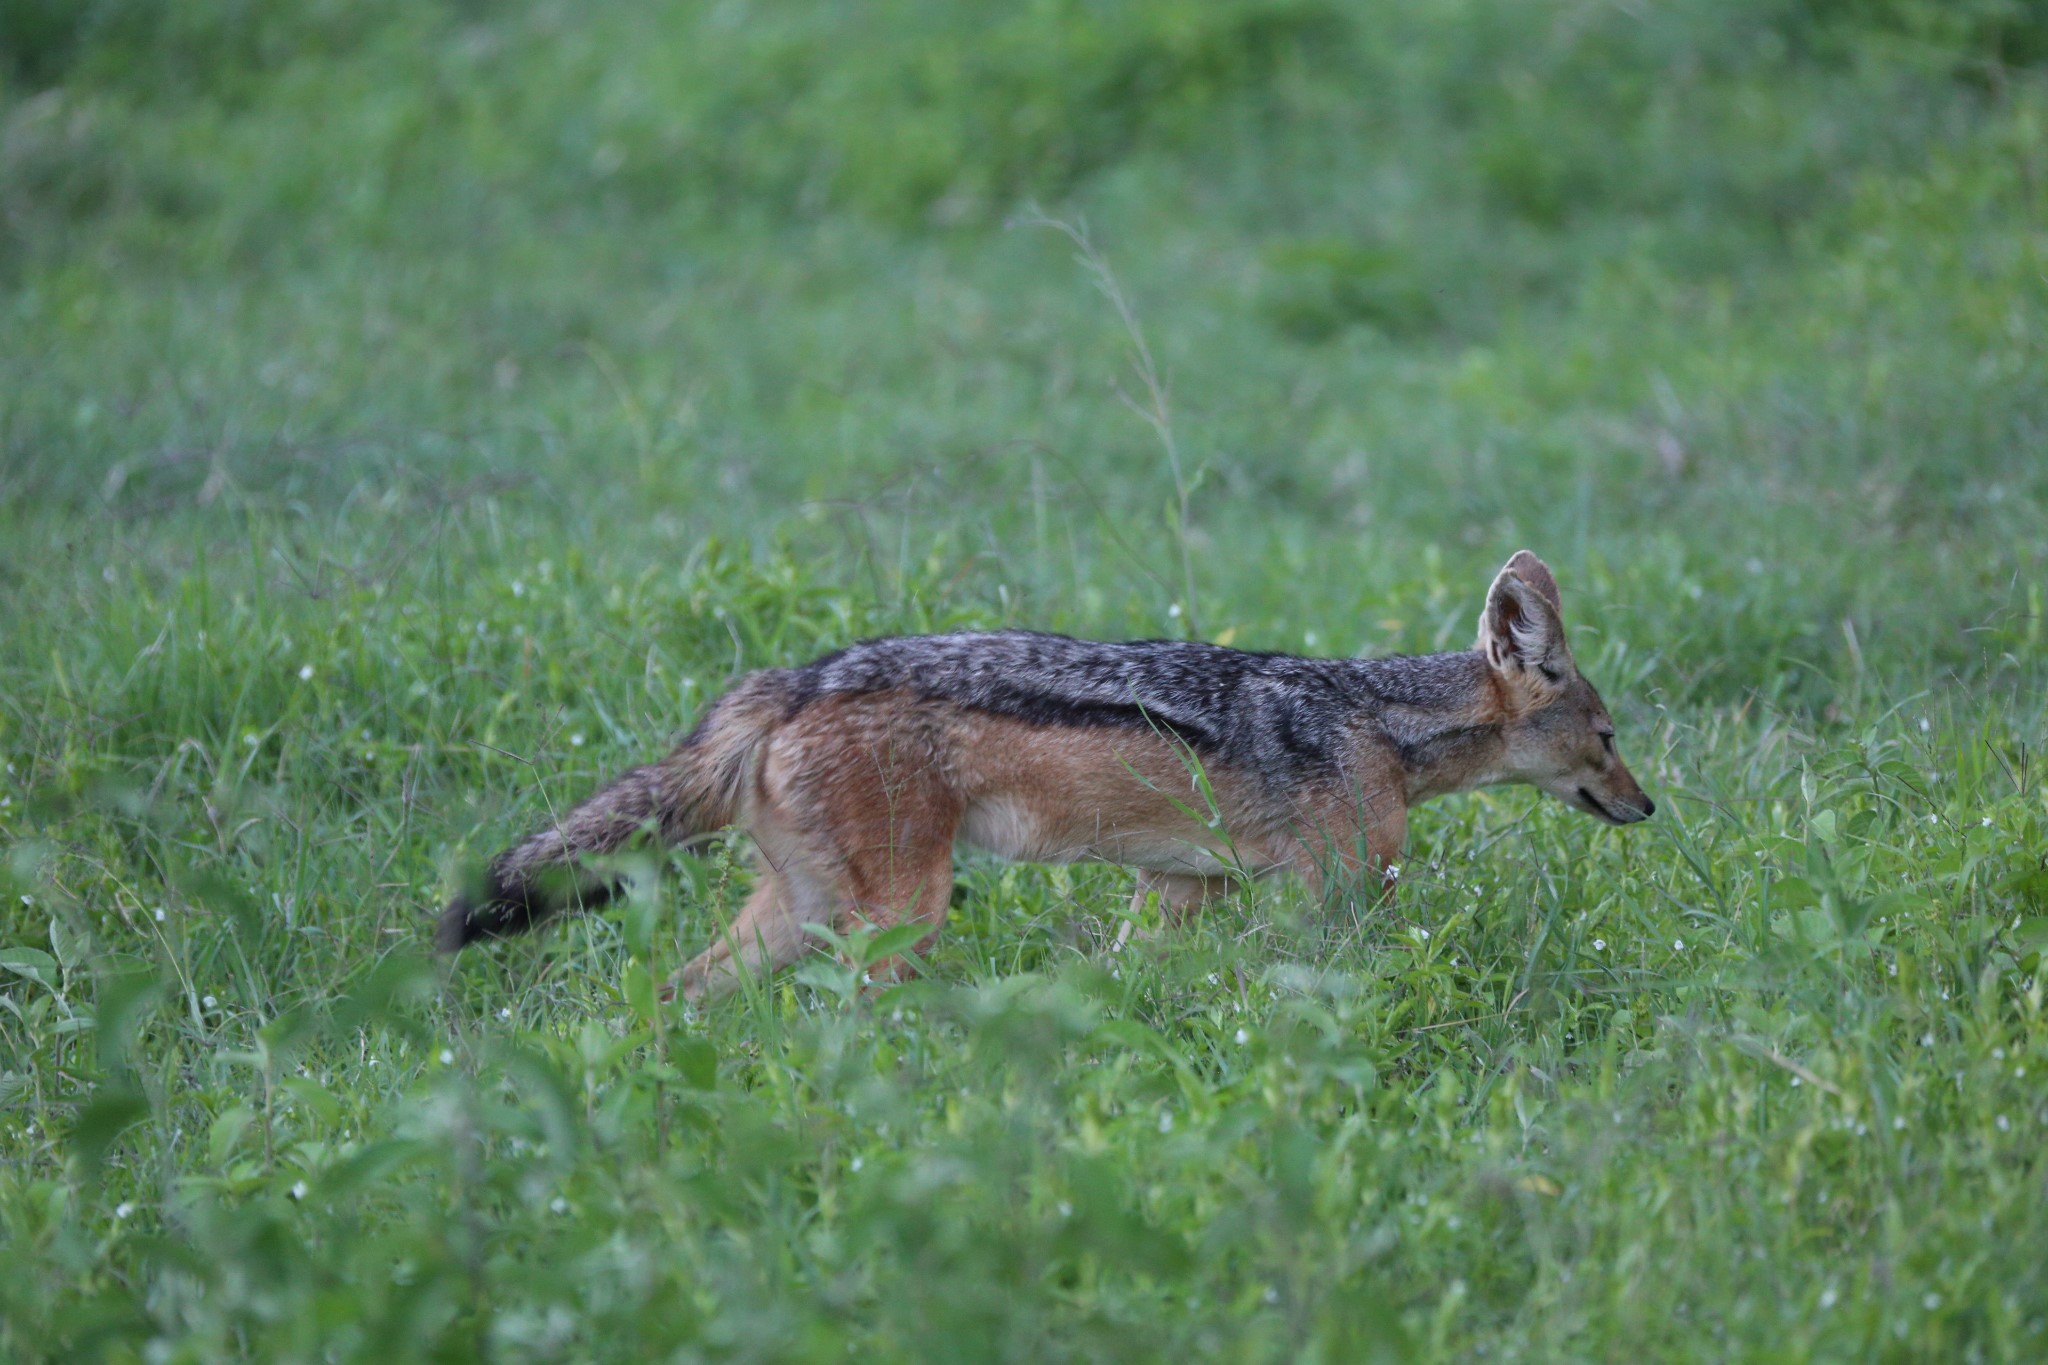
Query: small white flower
x: 1424, y: 933
x: 1243, y: 1037
x: 1271, y: 1295
x: 208, y: 1001
x: 1166, y: 1120
x: 1827, y: 1297
x: 1986, y: 822
x: 447, y: 1056
x: 576, y: 740
x: 298, y: 1189
x: 1213, y: 978
x: 1930, y: 1301
x: 854, y: 1164
x: 1998, y: 1054
x: 559, y: 1204
x: 1899, y: 1124
x: 1925, y: 726
x: 505, y: 1013
x: 1677, y: 945
x: 123, y: 1209
x: 1599, y: 945
x: 1394, y: 871
x: 305, y: 673
x: 2004, y: 1124
x: 1927, y: 1040
x: 1066, y: 1209
x: 159, y: 914
x: 1173, y: 610
x: 518, y: 588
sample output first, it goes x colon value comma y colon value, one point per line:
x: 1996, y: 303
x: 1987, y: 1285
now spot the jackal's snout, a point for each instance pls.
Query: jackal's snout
x: 1618, y: 799
x: 1598, y: 781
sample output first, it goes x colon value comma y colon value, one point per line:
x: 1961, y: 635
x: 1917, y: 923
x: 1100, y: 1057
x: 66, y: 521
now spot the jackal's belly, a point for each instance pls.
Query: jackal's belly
x: 1071, y: 794
x: 1166, y: 842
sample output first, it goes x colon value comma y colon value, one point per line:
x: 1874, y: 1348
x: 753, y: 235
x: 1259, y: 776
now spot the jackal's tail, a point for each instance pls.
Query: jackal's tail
x: 695, y: 790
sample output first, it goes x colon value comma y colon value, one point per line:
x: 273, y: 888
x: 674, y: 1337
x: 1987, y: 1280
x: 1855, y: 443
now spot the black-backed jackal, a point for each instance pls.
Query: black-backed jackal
x: 856, y: 774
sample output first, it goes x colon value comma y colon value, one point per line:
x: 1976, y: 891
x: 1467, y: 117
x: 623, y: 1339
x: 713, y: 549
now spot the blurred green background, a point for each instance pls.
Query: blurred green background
x: 1596, y: 277
x: 412, y: 412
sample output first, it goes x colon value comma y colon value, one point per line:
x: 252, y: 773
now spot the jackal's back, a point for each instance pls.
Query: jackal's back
x: 1272, y: 713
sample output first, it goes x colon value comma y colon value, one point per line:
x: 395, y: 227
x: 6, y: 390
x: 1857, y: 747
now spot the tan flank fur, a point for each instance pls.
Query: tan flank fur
x: 856, y: 776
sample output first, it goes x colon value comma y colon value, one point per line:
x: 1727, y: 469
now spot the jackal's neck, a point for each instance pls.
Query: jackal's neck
x: 1443, y: 714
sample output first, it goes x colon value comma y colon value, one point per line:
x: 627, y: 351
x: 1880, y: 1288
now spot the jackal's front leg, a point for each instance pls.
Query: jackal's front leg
x: 1347, y: 845
x: 1180, y: 893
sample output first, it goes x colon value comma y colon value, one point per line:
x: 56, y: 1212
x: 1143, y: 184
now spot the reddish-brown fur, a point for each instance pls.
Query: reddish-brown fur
x: 857, y: 802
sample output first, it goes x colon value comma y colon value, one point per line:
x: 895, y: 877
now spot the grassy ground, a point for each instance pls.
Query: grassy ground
x: 410, y: 414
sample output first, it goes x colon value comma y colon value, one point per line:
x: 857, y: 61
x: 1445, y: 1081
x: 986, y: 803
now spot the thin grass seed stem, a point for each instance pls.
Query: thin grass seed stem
x: 1157, y: 411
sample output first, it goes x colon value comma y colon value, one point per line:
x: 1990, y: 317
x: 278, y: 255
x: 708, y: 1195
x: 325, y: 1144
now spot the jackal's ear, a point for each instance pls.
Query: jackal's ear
x: 1537, y: 575
x: 1521, y: 632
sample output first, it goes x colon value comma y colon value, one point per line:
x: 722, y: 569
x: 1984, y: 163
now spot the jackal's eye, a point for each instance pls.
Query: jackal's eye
x: 1607, y: 742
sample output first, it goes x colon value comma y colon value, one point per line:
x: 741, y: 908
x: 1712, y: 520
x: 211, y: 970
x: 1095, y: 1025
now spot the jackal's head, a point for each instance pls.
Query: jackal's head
x: 1558, y: 734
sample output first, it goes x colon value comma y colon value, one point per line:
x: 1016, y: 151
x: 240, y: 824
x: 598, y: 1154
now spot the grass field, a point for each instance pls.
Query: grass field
x: 412, y: 413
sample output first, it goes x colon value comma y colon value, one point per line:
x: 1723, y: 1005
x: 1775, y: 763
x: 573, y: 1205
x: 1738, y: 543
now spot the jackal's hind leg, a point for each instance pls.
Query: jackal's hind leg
x: 903, y: 886
x: 762, y: 937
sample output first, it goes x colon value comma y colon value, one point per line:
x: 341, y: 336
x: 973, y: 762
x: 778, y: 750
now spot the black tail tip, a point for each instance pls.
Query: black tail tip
x: 456, y: 929
x: 490, y: 911
x: 501, y: 908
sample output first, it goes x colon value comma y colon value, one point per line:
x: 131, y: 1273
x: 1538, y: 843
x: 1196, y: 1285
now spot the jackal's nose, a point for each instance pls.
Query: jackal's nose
x: 1649, y: 806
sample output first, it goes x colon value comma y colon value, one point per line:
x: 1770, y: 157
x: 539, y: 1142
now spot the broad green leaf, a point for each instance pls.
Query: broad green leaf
x: 697, y: 1059
x: 33, y: 963
x: 224, y: 1135
x: 369, y: 1164
x: 897, y: 939
x: 100, y: 1124
x: 73, y: 949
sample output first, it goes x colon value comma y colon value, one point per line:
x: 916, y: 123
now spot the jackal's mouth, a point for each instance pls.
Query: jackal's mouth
x: 1592, y: 804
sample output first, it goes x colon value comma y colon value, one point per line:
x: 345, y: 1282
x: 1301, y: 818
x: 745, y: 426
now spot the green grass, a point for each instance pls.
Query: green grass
x: 412, y: 414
